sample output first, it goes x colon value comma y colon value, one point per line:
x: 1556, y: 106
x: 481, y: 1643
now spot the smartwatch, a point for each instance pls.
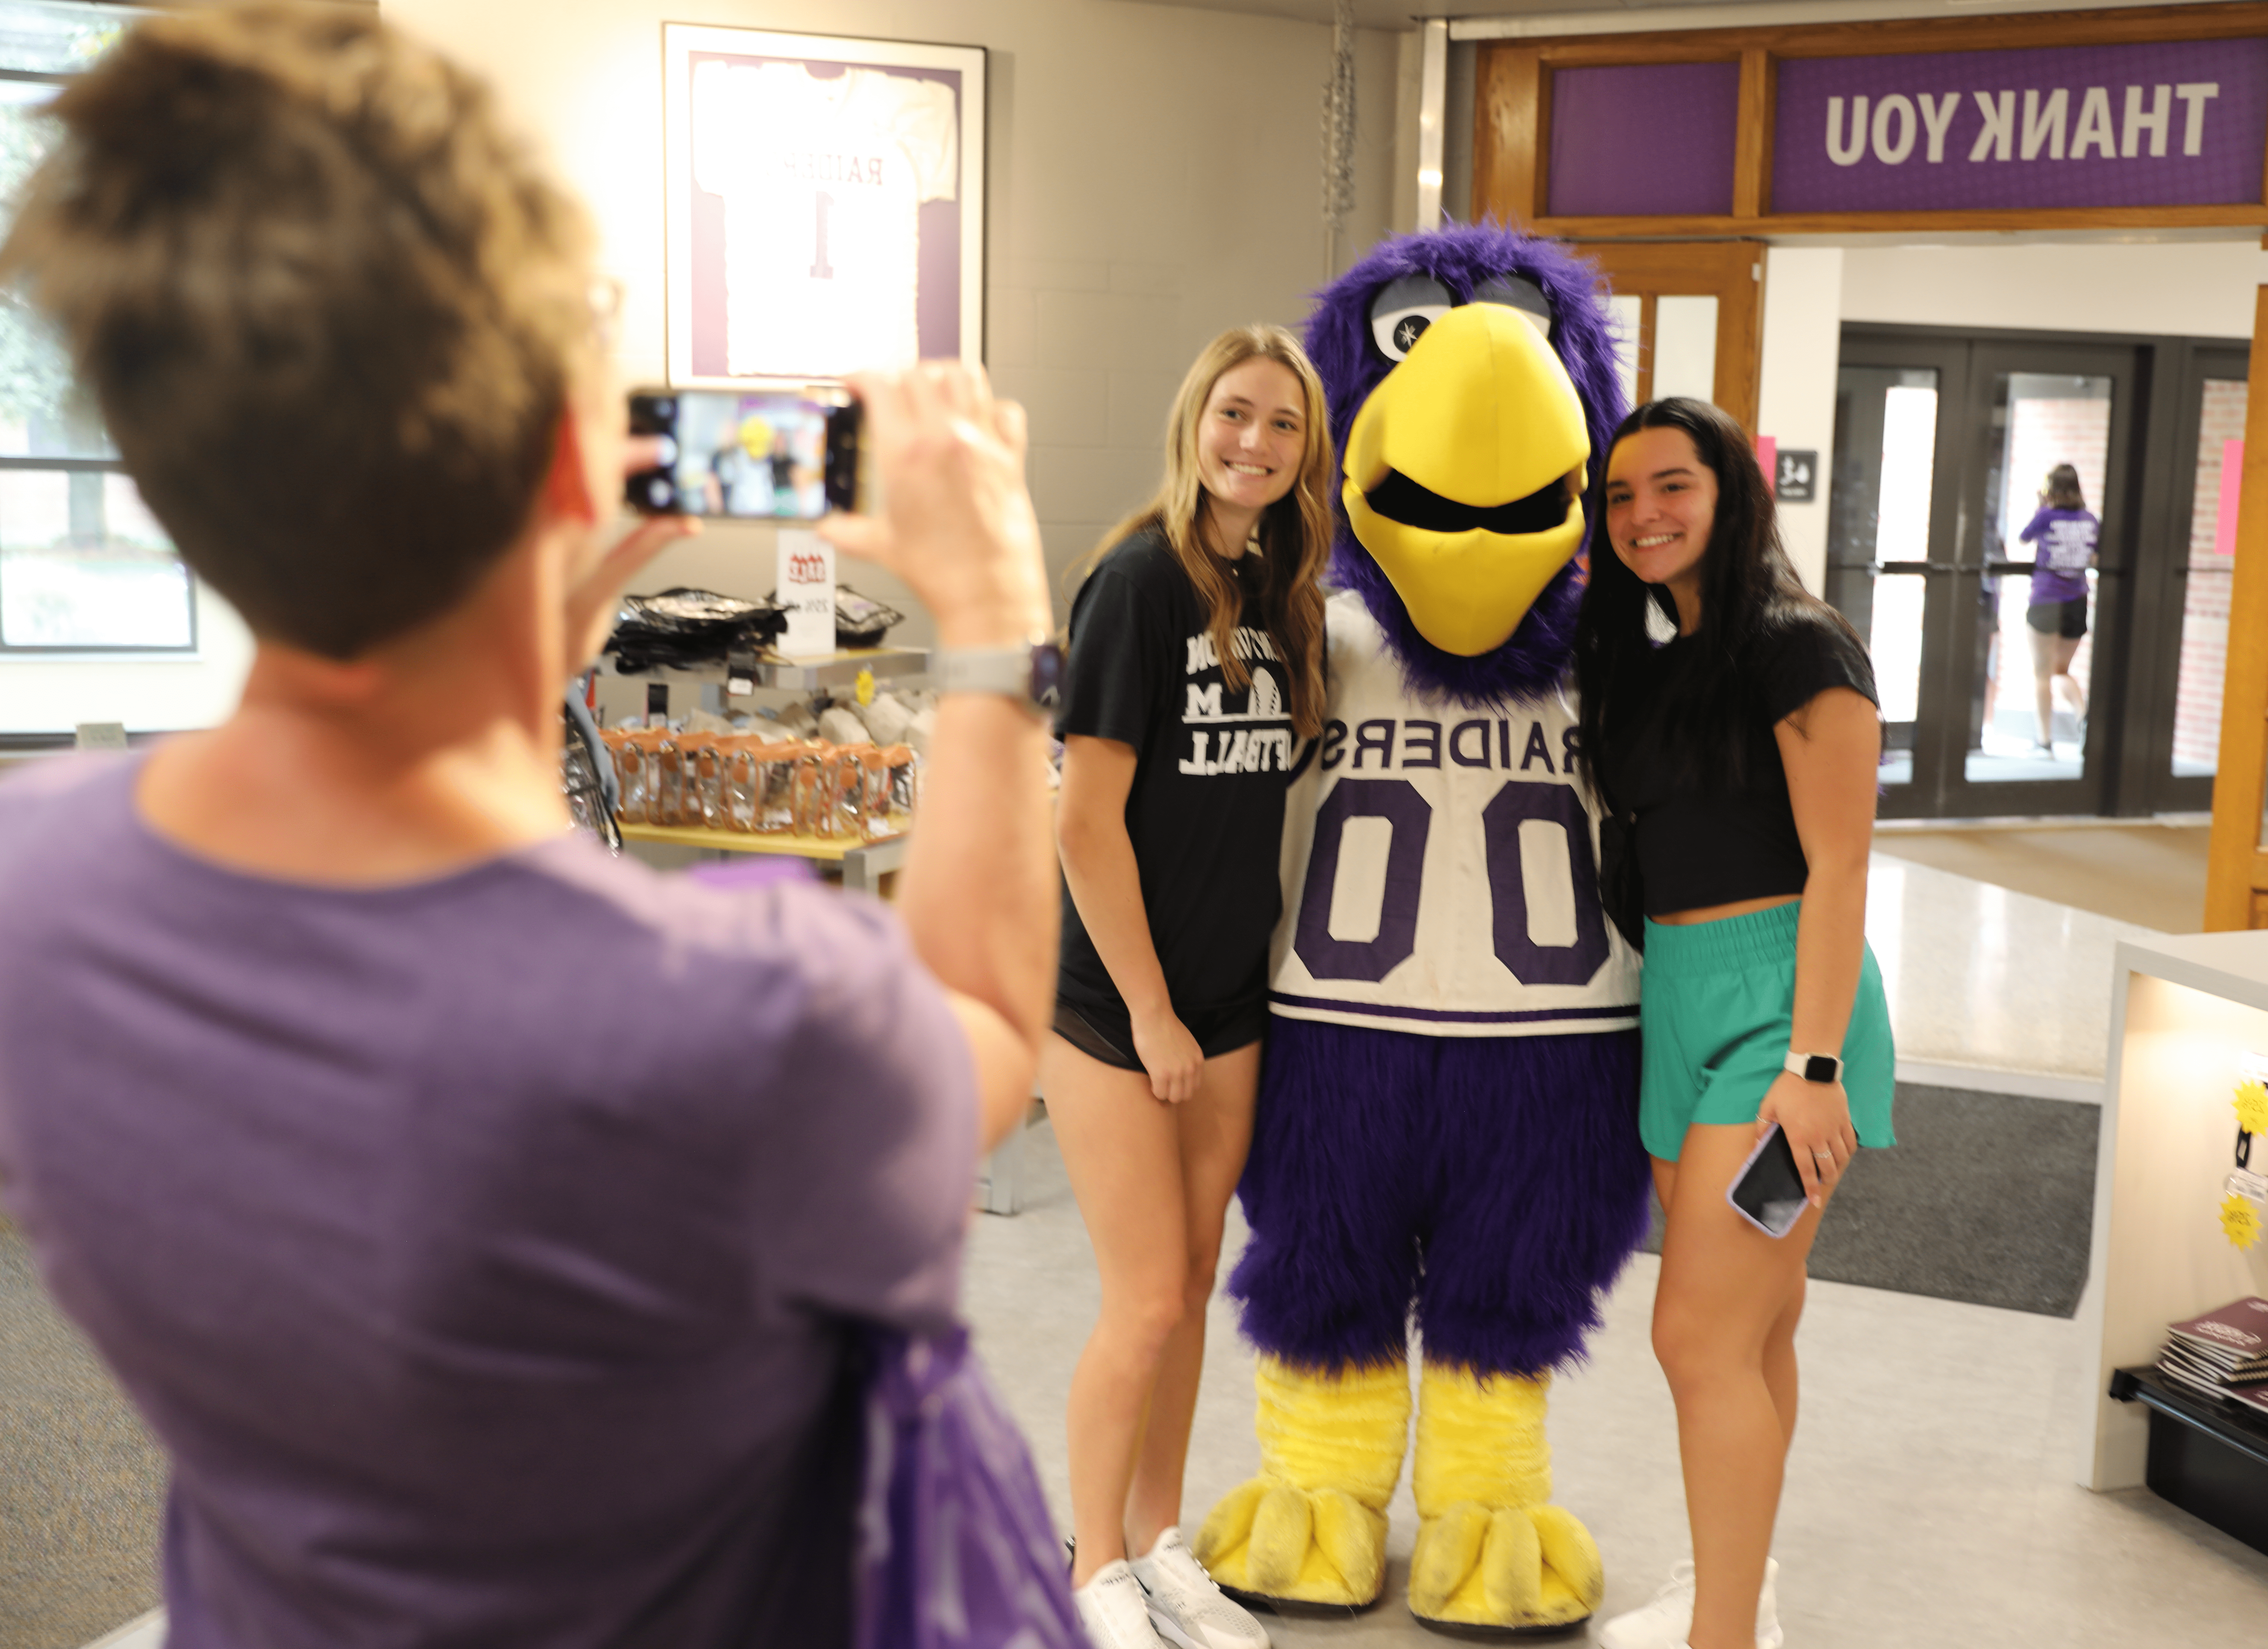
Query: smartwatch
x: 1814, y: 1067
x: 1031, y: 674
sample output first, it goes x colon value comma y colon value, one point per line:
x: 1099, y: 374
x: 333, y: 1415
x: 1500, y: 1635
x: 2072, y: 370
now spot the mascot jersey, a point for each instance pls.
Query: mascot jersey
x: 1410, y: 806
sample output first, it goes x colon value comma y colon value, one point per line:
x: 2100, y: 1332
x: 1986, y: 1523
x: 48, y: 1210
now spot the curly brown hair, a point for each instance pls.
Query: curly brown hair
x: 330, y: 307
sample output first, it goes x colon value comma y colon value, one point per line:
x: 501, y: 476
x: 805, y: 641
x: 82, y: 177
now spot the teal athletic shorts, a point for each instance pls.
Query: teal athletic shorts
x: 1713, y: 1013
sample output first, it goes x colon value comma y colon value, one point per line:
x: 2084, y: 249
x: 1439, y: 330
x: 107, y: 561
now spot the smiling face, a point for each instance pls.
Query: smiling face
x: 1661, y: 502
x: 1251, y: 438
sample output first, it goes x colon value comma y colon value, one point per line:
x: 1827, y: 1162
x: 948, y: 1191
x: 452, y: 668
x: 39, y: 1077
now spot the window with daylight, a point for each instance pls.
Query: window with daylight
x: 84, y: 567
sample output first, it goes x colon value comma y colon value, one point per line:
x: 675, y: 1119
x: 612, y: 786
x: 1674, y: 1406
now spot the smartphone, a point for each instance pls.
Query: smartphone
x: 762, y: 455
x: 1768, y: 1191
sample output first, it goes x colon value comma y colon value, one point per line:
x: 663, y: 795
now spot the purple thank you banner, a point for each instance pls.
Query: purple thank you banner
x: 2172, y: 124
x: 1648, y: 140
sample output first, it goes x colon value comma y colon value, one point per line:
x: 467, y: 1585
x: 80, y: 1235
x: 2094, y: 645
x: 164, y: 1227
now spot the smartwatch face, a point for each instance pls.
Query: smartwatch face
x: 1047, y: 676
x: 1818, y: 1068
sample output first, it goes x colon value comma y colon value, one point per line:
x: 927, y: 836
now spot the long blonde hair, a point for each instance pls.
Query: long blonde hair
x: 1295, y: 531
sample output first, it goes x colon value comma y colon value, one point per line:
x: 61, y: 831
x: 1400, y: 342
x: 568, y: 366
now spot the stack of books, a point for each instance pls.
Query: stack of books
x: 2224, y: 1352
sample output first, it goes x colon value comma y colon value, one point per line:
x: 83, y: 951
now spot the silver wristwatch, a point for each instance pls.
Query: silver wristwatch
x: 1814, y: 1067
x: 1031, y: 674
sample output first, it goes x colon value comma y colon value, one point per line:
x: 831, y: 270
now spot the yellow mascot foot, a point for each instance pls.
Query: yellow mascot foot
x: 1311, y: 1528
x: 1493, y: 1559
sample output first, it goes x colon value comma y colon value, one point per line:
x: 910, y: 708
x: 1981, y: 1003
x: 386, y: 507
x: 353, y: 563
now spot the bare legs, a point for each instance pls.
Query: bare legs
x: 1725, y: 1315
x: 1154, y: 1182
x: 2051, y: 657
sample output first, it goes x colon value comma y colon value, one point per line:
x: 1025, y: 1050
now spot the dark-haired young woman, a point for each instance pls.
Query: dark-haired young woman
x: 1196, y: 664
x: 1744, y: 750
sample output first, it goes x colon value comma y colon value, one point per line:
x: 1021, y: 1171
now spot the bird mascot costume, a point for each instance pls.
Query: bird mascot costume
x: 1447, y: 1127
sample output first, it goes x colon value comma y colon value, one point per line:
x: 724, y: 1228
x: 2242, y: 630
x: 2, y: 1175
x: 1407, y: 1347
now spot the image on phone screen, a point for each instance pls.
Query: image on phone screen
x: 755, y: 455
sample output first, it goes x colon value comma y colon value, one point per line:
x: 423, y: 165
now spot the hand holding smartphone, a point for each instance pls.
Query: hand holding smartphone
x: 770, y: 455
x: 1768, y: 1191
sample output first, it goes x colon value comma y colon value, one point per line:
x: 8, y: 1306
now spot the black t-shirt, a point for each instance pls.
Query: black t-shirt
x: 1701, y: 844
x: 1206, y: 809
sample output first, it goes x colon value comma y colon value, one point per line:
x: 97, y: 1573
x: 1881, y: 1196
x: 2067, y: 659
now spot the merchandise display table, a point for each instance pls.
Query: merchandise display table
x: 2186, y: 1011
x: 999, y: 1184
x: 863, y: 864
x: 740, y: 674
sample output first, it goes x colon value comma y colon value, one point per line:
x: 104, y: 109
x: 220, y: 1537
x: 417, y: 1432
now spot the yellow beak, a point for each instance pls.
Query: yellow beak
x: 1481, y: 417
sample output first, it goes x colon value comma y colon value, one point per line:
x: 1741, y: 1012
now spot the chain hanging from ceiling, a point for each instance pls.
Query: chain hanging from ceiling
x: 1338, y: 123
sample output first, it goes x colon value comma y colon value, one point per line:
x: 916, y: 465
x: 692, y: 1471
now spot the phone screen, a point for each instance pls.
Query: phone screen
x: 1768, y: 1191
x: 768, y: 455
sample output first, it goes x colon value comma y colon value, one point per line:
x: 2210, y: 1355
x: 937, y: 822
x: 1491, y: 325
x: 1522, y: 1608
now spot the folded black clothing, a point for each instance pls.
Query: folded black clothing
x: 683, y: 627
x: 859, y: 621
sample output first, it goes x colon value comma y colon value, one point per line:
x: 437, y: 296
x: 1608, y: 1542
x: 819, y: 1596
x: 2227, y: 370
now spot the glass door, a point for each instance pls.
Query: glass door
x: 2040, y: 550
x: 1879, y: 524
x: 2182, y: 627
x: 1974, y: 541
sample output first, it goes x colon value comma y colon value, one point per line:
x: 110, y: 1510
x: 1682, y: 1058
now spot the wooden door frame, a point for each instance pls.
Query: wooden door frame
x: 1727, y: 267
x: 1512, y: 117
x: 2236, y: 870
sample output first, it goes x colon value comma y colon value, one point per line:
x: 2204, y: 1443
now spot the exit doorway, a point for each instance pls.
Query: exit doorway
x: 1943, y: 443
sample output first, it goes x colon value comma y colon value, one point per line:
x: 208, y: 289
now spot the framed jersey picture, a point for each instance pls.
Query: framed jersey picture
x: 825, y: 204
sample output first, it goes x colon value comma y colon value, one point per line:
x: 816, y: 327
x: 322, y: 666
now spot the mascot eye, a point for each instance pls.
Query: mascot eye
x: 1515, y: 292
x: 1402, y: 311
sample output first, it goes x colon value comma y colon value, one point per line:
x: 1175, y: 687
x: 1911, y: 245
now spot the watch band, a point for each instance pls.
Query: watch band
x: 1031, y: 674
x: 1813, y: 1067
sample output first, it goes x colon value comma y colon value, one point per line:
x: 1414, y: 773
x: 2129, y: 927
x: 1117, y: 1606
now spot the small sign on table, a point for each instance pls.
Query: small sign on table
x: 806, y: 589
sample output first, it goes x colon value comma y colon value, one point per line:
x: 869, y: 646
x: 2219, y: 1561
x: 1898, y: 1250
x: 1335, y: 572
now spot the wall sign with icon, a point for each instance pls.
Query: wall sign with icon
x: 1795, y: 476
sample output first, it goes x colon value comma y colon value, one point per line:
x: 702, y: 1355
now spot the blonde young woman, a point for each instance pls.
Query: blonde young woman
x: 1196, y: 665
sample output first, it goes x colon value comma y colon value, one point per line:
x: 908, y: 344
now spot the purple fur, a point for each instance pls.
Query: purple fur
x: 1496, y: 1185
x: 1462, y: 257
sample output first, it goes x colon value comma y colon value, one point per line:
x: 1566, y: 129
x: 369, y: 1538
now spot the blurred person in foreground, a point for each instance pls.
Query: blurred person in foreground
x: 480, y: 1223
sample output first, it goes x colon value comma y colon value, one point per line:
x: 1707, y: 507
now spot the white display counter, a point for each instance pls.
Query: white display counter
x: 2186, y: 1011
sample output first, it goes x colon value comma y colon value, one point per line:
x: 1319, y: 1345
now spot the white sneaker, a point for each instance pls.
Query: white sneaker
x: 1114, y: 1611
x: 1663, y: 1623
x: 1186, y: 1607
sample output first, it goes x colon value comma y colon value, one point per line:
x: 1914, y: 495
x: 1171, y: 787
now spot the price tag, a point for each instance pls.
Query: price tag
x: 806, y: 589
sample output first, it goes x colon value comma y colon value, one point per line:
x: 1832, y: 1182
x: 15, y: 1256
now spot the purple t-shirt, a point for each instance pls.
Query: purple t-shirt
x: 480, y: 1249
x: 2063, y: 543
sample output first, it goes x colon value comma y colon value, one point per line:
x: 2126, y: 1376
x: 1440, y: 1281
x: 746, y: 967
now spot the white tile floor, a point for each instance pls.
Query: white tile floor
x: 1931, y: 1497
x: 1982, y: 977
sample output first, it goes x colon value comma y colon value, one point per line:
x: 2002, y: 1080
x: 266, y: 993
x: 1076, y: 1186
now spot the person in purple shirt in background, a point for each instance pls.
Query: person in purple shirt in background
x: 482, y: 1224
x: 2064, y: 535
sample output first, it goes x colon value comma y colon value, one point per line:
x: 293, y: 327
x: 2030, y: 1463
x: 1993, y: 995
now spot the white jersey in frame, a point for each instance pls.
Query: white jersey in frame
x: 823, y: 179
x: 1440, y: 865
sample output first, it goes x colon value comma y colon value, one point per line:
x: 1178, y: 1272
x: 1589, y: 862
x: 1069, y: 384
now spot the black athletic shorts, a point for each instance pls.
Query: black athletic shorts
x: 1108, y: 1034
x: 2067, y: 619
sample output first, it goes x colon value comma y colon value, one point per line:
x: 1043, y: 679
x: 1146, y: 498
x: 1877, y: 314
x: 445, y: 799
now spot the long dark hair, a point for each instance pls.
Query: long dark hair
x: 1749, y: 588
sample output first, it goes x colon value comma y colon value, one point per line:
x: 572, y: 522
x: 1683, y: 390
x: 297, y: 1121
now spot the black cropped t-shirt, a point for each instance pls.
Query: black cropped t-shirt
x: 1702, y: 843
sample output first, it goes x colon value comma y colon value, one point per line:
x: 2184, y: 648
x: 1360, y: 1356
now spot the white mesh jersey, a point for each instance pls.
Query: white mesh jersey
x: 823, y: 181
x: 1440, y: 865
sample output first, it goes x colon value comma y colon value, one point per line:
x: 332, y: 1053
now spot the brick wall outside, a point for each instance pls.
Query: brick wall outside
x: 2205, y: 610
